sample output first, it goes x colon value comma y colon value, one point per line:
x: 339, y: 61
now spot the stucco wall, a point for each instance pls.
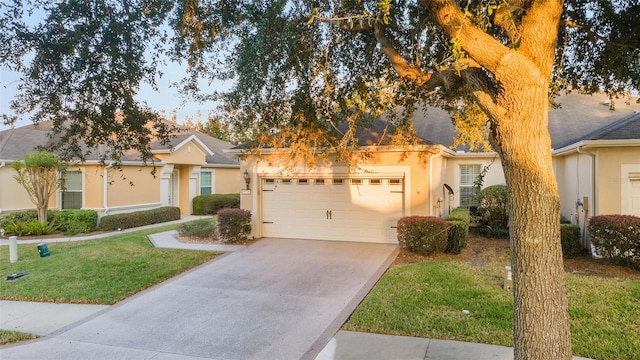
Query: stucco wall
x: 190, y: 153
x: 228, y: 181
x: 610, y: 177
x: 13, y: 197
x: 120, y: 193
x: 574, y: 175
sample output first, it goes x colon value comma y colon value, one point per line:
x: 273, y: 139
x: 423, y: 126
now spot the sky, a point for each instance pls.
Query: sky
x: 166, y: 97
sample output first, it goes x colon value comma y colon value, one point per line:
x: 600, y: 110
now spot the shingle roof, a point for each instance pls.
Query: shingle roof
x: 578, y: 116
x: 15, y: 143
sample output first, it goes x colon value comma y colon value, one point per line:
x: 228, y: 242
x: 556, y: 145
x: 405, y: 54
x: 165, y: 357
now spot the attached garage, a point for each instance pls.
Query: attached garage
x: 337, y: 207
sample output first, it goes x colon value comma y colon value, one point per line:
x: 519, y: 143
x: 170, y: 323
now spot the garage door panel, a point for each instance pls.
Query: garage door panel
x: 354, y: 210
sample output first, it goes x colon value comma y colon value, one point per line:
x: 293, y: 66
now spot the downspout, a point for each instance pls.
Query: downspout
x: 105, y: 193
x: 2, y: 164
x: 431, y: 203
x: 593, y: 205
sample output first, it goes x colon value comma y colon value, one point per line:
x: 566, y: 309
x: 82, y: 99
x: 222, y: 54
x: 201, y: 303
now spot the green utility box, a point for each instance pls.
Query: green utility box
x: 43, y: 250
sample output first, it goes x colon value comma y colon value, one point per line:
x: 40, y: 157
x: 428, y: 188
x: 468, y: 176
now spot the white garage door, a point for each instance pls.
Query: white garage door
x: 338, y: 208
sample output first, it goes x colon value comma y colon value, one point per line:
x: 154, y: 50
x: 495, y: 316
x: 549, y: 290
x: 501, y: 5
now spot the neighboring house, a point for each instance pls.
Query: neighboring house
x: 596, y: 160
x: 191, y: 164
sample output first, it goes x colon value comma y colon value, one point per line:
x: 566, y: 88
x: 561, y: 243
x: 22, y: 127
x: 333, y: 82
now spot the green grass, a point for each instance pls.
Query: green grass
x: 8, y: 336
x: 101, y: 271
x: 427, y: 299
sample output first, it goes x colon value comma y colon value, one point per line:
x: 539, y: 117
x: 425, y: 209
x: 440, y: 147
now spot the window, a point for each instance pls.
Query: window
x: 303, y: 181
x: 375, y: 182
x: 395, y: 182
x: 206, y: 182
x: 356, y: 181
x: 468, y: 174
x: 72, y: 192
x: 338, y: 181
x: 318, y: 182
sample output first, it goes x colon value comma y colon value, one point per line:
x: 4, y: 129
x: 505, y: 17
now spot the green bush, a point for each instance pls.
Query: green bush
x: 459, y: 214
x: 457, y: 236
x: 423, y: 235
x: 75, y: 221
x: 17, y: 217
x: 492, y: 206
x: 492, y: 233
x: 234, y: 224
x: 203, y: 228
x: 570, y: 239
x: 617, y: 237
x: 564, y: 220
x: 139, y: 218
x: 210, y: 204
x: 31, y: 227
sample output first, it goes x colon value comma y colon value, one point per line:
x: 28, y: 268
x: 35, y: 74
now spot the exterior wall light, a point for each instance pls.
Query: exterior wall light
x: 247, y: 179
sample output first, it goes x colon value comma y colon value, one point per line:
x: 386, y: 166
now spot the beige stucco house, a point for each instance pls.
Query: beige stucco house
x: 596, y: 159
x: 191, y: 164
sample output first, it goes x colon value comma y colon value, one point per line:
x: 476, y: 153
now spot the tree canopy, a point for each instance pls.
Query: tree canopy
x: 302, y: 69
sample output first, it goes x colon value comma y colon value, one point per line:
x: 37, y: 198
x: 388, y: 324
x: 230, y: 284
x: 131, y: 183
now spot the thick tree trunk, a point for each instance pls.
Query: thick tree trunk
x: 541, y: 324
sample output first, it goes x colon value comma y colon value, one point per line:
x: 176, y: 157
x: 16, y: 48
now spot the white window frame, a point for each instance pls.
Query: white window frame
x: 212, y: 178
x: 467, y: 175
x: 66, y: 190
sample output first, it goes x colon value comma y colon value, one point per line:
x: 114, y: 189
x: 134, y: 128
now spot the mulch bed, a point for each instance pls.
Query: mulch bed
x: 212, y: 240
x: 479, y: 249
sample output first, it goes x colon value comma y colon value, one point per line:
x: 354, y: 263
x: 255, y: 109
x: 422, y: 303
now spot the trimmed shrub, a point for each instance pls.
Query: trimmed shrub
x: 457, y: 236
x: 459, y: 214
x: 564, y: 220
x: 492, y: 206
x: 139, y: 218
x: 75, y: 221
x: 212, y: 203
x: 234, y: 224
x: 203, y: 228
x: 570, y: 239
x: 423, y: 235
x: 492, y: 233
x: 617, y: 237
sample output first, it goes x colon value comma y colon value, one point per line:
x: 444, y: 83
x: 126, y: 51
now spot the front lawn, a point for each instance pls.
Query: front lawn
x: 427, y: 298
x: 101, y: 271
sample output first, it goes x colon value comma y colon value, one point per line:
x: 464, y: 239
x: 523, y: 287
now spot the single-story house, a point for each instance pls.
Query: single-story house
x: 192, y: 163
x: 596, y: 155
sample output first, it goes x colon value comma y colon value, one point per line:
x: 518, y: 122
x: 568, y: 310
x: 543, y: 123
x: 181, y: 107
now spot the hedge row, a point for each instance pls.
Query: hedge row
x: 617, y: 237
x: 212, y: 203
x: 139, y: 218
x: 70, y: 222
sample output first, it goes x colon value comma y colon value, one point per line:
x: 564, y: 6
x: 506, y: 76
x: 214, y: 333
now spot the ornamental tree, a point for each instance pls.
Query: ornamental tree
x: 39, y: 174
x: 307, y: 74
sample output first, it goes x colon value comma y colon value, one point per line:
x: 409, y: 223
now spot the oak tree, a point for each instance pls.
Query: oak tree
x: 309, y: 74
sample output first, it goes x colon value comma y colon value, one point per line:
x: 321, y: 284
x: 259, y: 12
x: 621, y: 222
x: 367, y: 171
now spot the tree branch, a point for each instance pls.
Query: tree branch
x: 505, y: 16
x: 539, y: 33
x: 480, y: 46
x: 594, y: 36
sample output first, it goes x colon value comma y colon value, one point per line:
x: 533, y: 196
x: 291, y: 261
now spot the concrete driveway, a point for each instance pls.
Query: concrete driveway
x: 276, y: 299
